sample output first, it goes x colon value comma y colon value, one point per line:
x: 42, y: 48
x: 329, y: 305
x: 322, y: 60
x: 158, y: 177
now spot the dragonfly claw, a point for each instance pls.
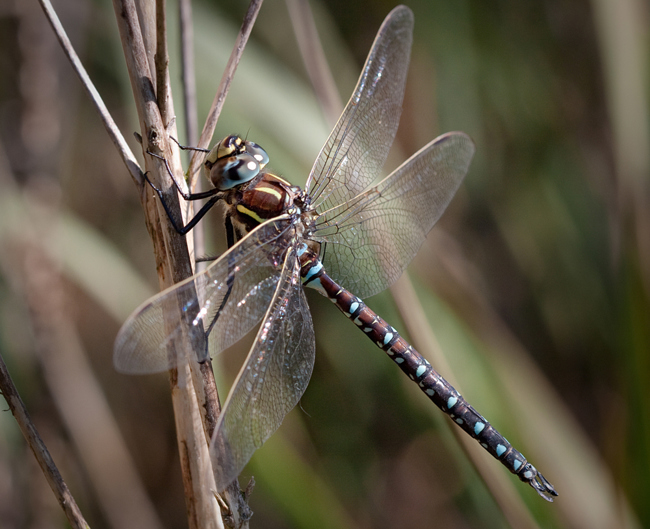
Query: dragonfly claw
x: 538, y: 482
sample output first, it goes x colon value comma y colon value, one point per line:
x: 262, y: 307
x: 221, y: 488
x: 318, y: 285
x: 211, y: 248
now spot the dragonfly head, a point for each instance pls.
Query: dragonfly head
x: 233, y: 162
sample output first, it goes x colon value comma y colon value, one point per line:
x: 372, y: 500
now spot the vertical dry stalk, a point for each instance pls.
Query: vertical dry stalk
x: 228, y: 74
x: 172, y: 259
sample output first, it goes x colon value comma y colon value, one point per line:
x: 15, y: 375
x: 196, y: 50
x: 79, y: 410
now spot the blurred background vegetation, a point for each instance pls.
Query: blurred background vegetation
x: 536, y: 282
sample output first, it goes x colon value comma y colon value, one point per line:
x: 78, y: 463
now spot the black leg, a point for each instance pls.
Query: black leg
x: 186, y: 148
x: 182, y: 230
x: 230, y: 232
x: 186, y: 196
x: 230, y: 238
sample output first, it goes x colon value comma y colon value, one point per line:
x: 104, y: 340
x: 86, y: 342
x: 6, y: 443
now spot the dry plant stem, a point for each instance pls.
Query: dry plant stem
x: 163, y: 89
x: 146, y: 16
x: 425, y: 342
x: 173, y: 265
x: 313, y: 57
x: 114, y: 133
x: 238, y: 511
x: 160, y: 59
x: 41, y: 453
x: 203, y: 378
x: 188, y: 81
x: 188, y: 72
x: 224, y: 86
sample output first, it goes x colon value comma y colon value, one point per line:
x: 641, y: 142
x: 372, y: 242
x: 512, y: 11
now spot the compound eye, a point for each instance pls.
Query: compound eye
x: 230, y: 146
x: 233, y: 171
x: 258, y: 153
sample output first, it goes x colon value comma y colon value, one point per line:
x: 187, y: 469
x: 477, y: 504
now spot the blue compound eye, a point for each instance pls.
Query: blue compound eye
x: 234, y: 161
x: 258, y: 153
x: 233, y: 171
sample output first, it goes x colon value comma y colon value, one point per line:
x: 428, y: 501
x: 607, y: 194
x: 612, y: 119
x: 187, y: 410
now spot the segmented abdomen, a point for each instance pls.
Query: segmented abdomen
x: 420, y: 371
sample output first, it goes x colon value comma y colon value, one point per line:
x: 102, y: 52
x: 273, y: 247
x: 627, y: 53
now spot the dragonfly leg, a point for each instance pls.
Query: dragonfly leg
x: 230, y: 238
x: 214, y: 196
x: 188, y: 148
x: 184, y: 194
x: 180, y: 229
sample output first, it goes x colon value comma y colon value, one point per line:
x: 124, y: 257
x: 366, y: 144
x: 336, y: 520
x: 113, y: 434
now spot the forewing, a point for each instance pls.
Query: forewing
x: 371, y: 240
x: 272, y: 380
x: 357, y: 148
x: 237, y: 288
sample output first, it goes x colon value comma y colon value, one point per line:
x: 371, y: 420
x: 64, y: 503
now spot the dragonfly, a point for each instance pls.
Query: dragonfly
x: 340, y: 230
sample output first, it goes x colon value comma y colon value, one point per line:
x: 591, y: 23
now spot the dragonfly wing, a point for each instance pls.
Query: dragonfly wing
x: 371, y: 240
x: 272, y: 380
x: 227, y: 299
x: 357, y: 148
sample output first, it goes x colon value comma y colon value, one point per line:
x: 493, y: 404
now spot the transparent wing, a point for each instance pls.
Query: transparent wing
x: 272, y: 380
x: 371, y: 240
x: 357, y: 148
x: 237, y: 288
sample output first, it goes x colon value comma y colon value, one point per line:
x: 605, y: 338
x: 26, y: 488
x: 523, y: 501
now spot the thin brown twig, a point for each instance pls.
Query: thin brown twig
x: 165, y: 98
x: 313, y: 57
x: 156, y: 115
x: 205, y: 385
x: 188, y: 72
x: 188, y: 81
x: 146, y: 15
x: 114, y: 133
x: 162, y: 63
x: 224, y: 86
x: 238, y: 511
x: 45, y: 461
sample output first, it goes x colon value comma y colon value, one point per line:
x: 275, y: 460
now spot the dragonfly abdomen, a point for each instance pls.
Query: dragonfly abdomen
x: 418, y: 369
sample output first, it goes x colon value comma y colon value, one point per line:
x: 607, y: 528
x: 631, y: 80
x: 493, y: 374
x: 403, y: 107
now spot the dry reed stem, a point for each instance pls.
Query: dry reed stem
x: 41, y: 453
x: 188, y: 72
x: 313, y: 57
x: 113, y: 132
x: 173, y: 265
x: 188, y: 83
x: 154, y: 104
x: 226, y: 80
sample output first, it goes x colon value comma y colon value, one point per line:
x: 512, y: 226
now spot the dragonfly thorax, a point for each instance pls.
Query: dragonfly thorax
x: 235, y: 166
x: 265, y: 197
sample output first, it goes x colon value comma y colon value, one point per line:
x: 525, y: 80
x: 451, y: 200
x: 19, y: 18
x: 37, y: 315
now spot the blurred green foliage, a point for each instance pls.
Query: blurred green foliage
x: 536, y: 283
